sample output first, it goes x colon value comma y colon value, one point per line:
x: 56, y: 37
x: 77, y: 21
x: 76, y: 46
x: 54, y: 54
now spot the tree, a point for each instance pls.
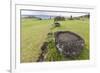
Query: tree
x: 71, y: 18
x: 59, y: 18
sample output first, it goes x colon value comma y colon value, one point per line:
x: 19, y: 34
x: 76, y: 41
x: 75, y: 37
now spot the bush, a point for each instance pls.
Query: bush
x: 59, y: 18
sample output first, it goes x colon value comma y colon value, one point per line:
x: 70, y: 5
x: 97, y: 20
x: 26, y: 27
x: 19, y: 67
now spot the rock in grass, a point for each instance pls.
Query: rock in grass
x: 69, y: 43
x: 57, y: 24
x: 43, y: 52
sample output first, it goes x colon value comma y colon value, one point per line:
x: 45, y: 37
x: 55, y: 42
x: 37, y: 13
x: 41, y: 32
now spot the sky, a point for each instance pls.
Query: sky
x: 65, y: 14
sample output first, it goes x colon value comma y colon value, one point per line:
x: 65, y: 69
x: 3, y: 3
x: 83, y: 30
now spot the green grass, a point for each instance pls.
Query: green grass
x: 34, y: 33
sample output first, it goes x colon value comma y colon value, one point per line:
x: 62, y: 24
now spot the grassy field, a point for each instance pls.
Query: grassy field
x: 34, y: 33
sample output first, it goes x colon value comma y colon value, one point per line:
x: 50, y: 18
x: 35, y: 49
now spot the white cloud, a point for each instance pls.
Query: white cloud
x: 66, y: 14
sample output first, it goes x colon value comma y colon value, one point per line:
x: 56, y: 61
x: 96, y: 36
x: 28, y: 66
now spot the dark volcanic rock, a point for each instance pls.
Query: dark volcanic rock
x: 43, y: 52
x: 44, y: 47
x: 69, y: 43
x: 57, y: 24
x: 41, y: 58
